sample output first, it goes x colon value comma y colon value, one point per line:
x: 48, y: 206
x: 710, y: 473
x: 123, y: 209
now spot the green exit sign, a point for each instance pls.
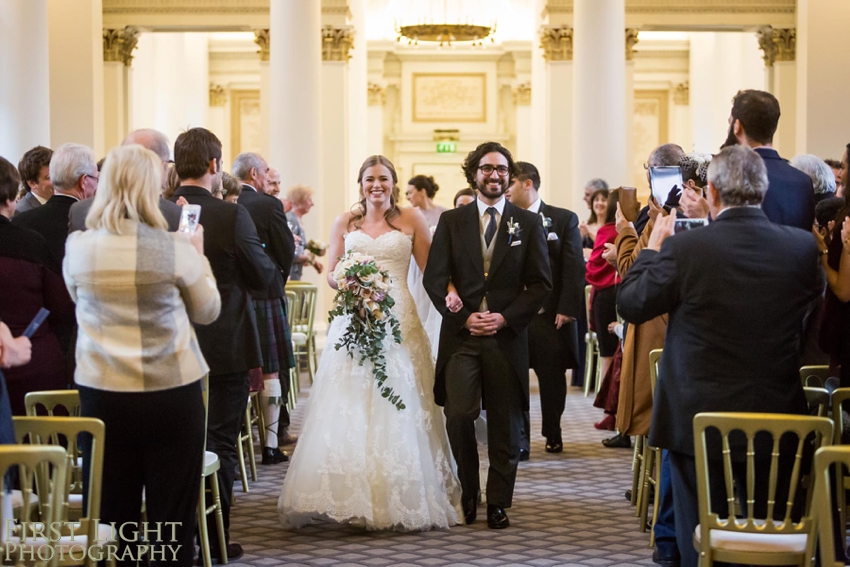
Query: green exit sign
x: 446, y: 147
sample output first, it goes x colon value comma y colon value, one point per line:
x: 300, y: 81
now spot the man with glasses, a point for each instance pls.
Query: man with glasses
x: 495, y: 254
x: 74, y: 175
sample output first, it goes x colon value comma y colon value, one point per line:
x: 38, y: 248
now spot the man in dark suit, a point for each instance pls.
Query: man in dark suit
x: 230, y: 345
x: 552, y: 334
x: 73, y: 173
x: 34, y: 168
x: 736, y: 292
x: 495, y: 255
x: 790, y: 198
x: 158, y: 143
x: 267, y: 212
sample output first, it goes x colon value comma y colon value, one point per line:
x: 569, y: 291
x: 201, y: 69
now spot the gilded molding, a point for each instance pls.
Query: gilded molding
x: 682, y: 94
x: 631, y: 41
x: 777, y: 44
x: 118, y: 45
x: 218, y: 96
x: 377, y: 94
x: 522, y: 94
x: 337, y: 42
x: 263, y: 39
x: 557, y: 43
x: 186, y: 7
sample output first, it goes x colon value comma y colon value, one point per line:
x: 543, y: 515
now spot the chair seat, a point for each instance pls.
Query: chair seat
x: 18, y: 499
x: 211, y: 463
x: 300, y: 329
x: 299, y: 338
x: 758, y: 543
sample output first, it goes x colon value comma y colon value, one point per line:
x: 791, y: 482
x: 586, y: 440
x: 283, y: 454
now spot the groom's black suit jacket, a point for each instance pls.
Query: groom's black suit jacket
x: 516, y: 286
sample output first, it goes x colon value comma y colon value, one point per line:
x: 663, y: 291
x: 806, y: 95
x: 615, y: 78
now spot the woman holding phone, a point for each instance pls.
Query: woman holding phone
x: 138, y: 289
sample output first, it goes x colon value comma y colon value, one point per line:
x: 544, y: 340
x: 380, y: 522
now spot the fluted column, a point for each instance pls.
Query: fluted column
x: 262, y: 38
x: 524, y: 129
x: 557, y: 45
x: 779, y: 47
x: 599, y: 100
x: 76, y: 73
x: 631, y: 41
x: 682, y: 129
x: 24, y: 88
x: 118, y: 46
x: 376, y: 97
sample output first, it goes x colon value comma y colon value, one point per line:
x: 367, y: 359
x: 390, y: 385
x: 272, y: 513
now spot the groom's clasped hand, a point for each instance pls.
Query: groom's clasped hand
x: 485, y: 323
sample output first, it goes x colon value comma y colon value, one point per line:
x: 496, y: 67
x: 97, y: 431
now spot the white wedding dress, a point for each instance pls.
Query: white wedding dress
x: 359, y: 460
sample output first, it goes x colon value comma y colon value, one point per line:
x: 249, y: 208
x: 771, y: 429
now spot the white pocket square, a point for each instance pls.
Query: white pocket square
x: 552, y: 236
x: 516, y: 242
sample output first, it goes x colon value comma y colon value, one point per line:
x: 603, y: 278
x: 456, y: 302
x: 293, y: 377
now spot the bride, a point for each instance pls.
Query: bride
x: 359, y: 460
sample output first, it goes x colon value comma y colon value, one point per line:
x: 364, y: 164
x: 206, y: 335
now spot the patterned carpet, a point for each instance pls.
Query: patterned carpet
x: 568, y: 509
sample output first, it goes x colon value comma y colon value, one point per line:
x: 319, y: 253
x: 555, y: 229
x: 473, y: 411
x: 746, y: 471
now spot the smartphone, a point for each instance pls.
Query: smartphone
x: 682, y: 225
x: 189, y: 218
x: 666, y: 182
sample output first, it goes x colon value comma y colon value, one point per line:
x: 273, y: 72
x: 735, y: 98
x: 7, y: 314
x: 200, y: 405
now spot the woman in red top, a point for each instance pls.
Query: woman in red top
x: 602, y: 276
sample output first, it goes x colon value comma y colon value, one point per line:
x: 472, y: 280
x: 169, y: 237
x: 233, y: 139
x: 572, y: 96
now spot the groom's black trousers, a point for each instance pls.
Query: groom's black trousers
x: 479, y: 367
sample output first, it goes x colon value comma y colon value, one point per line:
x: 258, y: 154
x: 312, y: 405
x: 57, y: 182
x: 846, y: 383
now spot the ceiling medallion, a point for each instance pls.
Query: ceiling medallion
x: 440, y: 27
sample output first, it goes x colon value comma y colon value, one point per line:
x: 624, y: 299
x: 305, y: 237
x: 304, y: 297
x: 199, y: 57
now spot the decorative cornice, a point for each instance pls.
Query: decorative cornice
x: 218, y: 96
x: 185, y: 6
x: 337, y: 42
x: 522, y: 94
x: 631, y: 41
x: 777, y: 44
x: 336, y: 8
x: 711, y: 6
x: 377, y: 94
x: 682, y: 94
x: 118, y: 45
x: 557, y: 43
x: 263, y: 39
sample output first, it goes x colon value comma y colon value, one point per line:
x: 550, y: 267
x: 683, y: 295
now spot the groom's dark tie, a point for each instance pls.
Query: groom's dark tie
x: 490, y: 232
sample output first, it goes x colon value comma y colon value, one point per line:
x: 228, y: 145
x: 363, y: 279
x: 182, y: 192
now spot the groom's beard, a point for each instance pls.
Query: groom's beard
x: 731, y: 140
x: 484, y: 188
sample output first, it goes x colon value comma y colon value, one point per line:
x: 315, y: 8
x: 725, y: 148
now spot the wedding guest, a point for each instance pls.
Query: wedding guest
x: 302, y: 201
x: 592, y: 187
x: 230, y: 345
x: 273, y: 185
x: 464, y: 197
x: 31, y: 280
x: 726, y: 338
x: 138, y: 359
x: 836, y: 168
x: 823, y: 180
x: 74, y: 176
x: 826, y: 212
x: 270, y: 305
x: 158, y: 143
x: 36, y: 187
x: 421, y: 190
x: 598, y: 211
x: 231, y: 187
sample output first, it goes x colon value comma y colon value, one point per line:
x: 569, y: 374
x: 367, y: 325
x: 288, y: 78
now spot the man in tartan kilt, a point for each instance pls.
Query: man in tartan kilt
x: 270, y: 307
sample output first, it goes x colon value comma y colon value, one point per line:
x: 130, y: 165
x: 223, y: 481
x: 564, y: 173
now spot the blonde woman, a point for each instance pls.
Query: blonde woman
x: 301, y: 197
x: 138, y: 289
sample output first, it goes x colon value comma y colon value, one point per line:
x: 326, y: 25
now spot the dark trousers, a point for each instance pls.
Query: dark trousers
x: 155, y: 441
x: 551, y: 354
x: 665, y: 525
x: 227, y: 402
x: 479, y: 368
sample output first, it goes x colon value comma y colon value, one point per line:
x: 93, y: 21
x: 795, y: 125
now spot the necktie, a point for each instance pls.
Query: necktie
x: 490, y: 232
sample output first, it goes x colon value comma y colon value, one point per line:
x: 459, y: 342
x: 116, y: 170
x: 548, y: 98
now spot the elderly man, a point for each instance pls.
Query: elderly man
x: 158, y: 143
x: 34, y: 168
x: 270, y: 305
x: 735, y: 317
x: 273, y: 186
x: 73, y: 173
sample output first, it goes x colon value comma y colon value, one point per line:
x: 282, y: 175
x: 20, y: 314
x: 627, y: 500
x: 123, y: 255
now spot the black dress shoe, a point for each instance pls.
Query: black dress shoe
x: 497, y: 519
x: 470, y: 507
x: 554, y: 445
x: 273, y: 456
x: 524, y: 455
x: 234, y: 551
x: 665, y: 560
x: 618, y: 441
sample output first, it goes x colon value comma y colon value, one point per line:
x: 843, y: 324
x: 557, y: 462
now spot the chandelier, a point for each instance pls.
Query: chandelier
x: 429, y: 22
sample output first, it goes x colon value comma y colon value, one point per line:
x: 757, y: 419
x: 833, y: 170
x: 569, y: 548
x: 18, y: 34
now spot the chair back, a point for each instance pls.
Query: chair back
x: 51, y: 399
x: 304, y: 307
x: 819, y: 398
x: 814, y: 376
x: 654, y: 360
x: 42, y: 466
x: 587, y: 290
x: 290, y: 305
x: 839, y: 396
x: 65, y: 432
x: 824, y: 500
x: 805, y: 428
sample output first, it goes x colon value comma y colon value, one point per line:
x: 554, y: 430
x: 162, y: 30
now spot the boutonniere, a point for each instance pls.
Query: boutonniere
x: 547, y: 222
x: 513, y: 228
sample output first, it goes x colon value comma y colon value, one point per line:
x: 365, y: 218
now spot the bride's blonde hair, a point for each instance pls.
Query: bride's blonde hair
x: 358, y: 211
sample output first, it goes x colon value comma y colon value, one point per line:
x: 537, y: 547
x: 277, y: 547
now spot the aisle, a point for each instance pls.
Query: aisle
x: 568, y: 509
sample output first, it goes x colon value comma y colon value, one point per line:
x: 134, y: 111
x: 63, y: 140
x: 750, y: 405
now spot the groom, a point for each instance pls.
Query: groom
x: 495, y: 255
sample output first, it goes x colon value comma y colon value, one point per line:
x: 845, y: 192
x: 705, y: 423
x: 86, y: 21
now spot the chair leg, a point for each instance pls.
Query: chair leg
x: 203, y: 533
x: 648, y: 463
x: 588, y: 366
x: 242, y: 471
x: 219, y: 520
x: 261, y: 421
x: 311, y: 358
x: 657, y: 494
x: 637, y: 462
x: 249, y: 438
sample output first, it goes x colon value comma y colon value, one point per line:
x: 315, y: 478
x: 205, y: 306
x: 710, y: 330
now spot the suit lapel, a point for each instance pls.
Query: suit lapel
x: 471, y: 227
x: 501, y: 247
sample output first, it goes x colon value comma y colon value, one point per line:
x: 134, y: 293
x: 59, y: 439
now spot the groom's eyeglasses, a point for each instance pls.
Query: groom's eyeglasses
x: 488, y: 169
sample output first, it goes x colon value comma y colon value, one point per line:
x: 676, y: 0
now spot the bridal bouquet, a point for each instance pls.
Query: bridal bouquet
x: 317, y: 247
x: 363, y: 292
